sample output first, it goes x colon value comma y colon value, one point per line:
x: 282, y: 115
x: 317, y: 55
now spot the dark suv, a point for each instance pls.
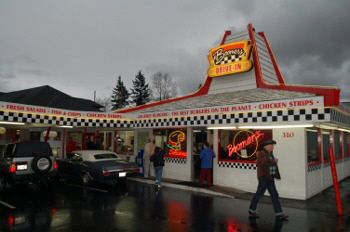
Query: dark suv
x: 26, y: 163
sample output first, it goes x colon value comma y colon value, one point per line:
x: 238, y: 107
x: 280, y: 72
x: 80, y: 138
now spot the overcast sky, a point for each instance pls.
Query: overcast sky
x: 82, y: 46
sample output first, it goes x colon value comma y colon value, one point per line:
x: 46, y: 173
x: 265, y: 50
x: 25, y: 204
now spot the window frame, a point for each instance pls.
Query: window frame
x: 240, y: 161
x: 319, y: 148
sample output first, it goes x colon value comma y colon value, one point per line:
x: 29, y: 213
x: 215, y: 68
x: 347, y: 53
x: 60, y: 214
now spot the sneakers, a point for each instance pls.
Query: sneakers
x: 253, y: 215
x: 282, y: 217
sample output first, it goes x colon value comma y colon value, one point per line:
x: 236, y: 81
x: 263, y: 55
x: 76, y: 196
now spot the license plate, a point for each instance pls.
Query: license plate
x: 122, y: 174
x: 21, y: 167
x: 20, y: 220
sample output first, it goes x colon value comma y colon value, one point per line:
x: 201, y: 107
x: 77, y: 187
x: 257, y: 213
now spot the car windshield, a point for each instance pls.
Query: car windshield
x: 106, y: 156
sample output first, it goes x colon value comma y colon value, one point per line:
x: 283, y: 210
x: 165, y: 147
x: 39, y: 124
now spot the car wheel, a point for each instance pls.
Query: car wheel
x: 86, y: 178
x: 2, y: 183
x: 41, y: 164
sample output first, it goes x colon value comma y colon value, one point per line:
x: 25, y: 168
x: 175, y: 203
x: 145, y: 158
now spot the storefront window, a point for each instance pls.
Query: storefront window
x: 142, y: 138
x: 325, y: 144
x: 104, y: 140
x: 160, y: 138
x: 346, y: 143
x: 241, y: 145
x: 125, y: 142
x: 172, y: 141
x: 77, y: 138
x: 336, y: 144
x: 312, y: 146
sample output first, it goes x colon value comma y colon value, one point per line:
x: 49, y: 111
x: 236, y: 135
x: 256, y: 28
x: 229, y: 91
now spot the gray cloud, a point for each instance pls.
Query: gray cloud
x: 80, y: 47
x: 6, y: 75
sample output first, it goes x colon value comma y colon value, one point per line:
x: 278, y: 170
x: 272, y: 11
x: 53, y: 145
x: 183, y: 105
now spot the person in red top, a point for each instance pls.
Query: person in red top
x: 71, y: 145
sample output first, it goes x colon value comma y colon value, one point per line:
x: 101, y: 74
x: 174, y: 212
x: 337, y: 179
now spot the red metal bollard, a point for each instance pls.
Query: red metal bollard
x: 335, y: 182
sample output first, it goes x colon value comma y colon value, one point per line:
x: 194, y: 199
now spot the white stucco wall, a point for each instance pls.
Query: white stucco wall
x: 180, y: 171
x: 291, y: 152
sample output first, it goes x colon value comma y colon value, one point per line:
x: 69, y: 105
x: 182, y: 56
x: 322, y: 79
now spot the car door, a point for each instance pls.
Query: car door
x: 73, y: 165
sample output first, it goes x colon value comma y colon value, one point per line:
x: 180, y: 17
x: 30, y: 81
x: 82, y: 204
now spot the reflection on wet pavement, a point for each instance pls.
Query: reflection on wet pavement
x: 140, y: 207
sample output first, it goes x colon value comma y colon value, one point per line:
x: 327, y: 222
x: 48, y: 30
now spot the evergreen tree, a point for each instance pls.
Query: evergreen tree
x: 120, y: 95
x: 140, y: 93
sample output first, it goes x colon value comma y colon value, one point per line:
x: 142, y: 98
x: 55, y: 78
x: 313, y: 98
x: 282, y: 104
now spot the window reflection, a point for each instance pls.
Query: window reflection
x: 312, y: 145
x: 125, y: 142
x: 325, y: 144
x: 239, y: 145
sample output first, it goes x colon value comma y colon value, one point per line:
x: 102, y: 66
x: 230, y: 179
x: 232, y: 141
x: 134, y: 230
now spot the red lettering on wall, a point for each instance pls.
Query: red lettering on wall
x: 251, y: 139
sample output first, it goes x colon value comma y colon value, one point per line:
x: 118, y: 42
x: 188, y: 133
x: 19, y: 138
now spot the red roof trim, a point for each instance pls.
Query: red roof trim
x: 202, y: 91
x: 331, y: 95
x: 226, y: 34
x: 257, y: 69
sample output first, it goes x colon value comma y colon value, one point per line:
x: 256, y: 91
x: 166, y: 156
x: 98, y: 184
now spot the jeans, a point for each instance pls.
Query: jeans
x: 159, y: 172
x: 268, y: 184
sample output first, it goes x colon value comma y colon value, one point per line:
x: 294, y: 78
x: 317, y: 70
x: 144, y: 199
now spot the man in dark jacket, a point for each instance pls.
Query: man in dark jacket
x: 267, y: 171
x: 158, y: 162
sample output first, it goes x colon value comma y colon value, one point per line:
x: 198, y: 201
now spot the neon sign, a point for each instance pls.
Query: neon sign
x: 230, y: 58
x: 175, y: 144
x: 252, y: 139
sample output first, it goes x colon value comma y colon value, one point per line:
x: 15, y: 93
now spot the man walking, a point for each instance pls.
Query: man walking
x: 267, y: 170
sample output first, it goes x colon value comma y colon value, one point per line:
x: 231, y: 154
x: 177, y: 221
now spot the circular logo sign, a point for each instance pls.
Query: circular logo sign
x: 245, y: 139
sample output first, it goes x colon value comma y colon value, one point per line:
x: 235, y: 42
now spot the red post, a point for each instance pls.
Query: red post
x: 47, y: 134
x: 335, y: 182
x: 84, y: 138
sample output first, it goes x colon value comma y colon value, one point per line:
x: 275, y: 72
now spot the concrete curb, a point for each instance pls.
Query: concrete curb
x: 182, y: 187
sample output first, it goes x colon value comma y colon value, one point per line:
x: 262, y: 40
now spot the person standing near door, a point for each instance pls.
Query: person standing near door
x: 207, y: 155
x: 70, y: 146
x: 149, y: 150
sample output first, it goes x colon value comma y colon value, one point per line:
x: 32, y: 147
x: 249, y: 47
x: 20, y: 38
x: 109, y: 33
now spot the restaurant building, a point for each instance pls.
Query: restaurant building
x: 243, y: 101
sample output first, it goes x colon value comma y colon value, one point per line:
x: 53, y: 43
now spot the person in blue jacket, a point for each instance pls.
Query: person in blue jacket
x: 207, y: 155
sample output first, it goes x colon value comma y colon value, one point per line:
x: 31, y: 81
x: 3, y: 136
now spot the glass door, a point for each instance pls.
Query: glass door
x: 199, y: 137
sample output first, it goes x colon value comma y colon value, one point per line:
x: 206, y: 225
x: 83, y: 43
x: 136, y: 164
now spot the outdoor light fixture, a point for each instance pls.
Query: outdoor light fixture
x: 273, y: 127
x: 65, y: 126
x: 341, y: 129
x: 12, y: 123
x: 221, y: 127
x: 52, y: 134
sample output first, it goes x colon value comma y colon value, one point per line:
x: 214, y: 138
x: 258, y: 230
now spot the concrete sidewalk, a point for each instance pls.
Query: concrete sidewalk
x: 324, y: 201
x: 192, y: 186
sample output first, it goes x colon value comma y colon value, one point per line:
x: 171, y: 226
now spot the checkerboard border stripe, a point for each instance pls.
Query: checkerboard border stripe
x: 295, y: 115
x: 311, y: 168
x: 176, y: 160
x: 250, y: 166
x: 63, y: 121
x: 340, y: 117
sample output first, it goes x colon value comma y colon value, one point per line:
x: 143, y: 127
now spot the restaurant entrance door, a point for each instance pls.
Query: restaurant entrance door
x: 199, y: 137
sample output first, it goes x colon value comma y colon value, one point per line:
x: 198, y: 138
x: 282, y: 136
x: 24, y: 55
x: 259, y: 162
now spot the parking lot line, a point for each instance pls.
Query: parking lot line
x: 84, y: 187
x: 7, y: 205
